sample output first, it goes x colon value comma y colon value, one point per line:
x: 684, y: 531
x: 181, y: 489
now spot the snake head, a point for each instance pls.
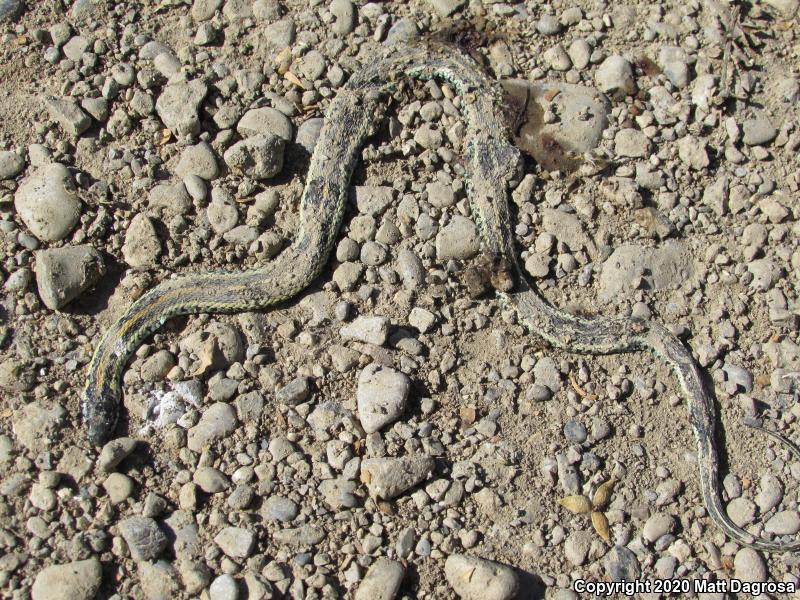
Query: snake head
x: 100, y: 409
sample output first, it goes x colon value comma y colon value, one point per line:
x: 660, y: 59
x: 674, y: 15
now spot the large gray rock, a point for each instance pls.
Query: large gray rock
x: 479, y: 579
x: 78, y: 580
x: 47, y: 202
x: 583, y: 115
x: 664, y: 267
x: 178, y: 106
x: 63, y: 274
x: 36, y: 424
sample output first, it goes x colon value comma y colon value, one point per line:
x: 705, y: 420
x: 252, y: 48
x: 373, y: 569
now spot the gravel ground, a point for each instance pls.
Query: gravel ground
x: 392, y: 432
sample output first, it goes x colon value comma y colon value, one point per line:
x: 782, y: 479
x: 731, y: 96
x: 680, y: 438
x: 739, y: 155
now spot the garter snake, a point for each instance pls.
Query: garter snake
x: 490, y: 162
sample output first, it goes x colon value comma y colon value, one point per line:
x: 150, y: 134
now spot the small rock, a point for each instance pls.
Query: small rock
x: 557, y: 58
x: 748, y: 565
x: 339, y: 493
x: 47, y: 202
x: 631, y: 143
x: 575, y: 432
x: 259, y: 157
x: 11, y: 164
x: 203, y: 10
x: 10, y: 9
x: 156, y: 367
x: 211, y: 480
x: 692, y: 151
x: 142, y: 247
x: 548, y: 25
x: 369, y: 329
x: 741, y: 511
x: 381, y: 395
x: 674, y: 63
x: 445, y: 8
x: 382, y: 581
x: 478, y: 579
x: 119, y: 487
x: 265, y: 121
x: 78, y: 580
x: 387, y: 478
x: 308, y: 133
x: 621, y: 564
x: 295, y: 392
x: 217, y: 421
x: 198, y: 160
x: 664, y: 267
x: 785, y: 522
x: 236, y: 542
x: 770, y: 493
x: 576, y: 547
x: 159, y: 580
x: 278, y: 508
x: 615, y: 77
x: 344, y: 14
x: 63, y: 274
x: 758, y: 131
x: 178, y: 106
x: 223, y: 587
x: 144, y: 537
x: 69, y: 115
x: 658, y: 525
x: 114, y: 452
x: 458, y: 239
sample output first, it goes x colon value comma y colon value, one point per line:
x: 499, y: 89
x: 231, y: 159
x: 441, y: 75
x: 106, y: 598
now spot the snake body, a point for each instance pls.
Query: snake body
x: 490, y: 162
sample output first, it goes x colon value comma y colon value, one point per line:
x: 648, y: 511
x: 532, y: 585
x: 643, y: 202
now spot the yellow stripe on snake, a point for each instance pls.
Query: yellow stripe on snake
x: 490, y: 162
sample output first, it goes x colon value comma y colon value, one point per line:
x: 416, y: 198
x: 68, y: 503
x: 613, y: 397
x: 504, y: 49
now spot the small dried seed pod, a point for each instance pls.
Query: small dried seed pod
x: 603, y: 494
x: 600, y: 524
x: 576, y: 504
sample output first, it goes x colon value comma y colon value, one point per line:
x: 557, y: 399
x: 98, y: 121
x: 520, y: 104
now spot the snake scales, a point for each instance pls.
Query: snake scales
x: 490, y: 161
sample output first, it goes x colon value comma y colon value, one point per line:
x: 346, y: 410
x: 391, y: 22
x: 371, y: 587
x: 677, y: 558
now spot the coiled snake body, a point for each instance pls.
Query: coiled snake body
x: 490, y: 161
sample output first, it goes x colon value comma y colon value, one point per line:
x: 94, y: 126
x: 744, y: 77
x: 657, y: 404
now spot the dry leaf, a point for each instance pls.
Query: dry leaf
x: 600, y: 524
x: 580, y: 391
x: 294, y: 79
x: 576, y: 504
x: 603, y: 494
x: 366, y: 477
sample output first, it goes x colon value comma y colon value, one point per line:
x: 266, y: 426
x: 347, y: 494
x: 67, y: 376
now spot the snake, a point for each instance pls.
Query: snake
x: 490, y: 162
